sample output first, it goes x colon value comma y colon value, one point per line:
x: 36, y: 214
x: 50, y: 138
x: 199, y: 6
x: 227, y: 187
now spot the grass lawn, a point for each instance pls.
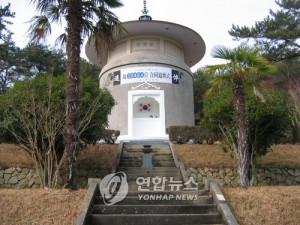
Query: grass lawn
x: 274, y: 205
x: 279, y: 156
x: 39, y: 206
x: 93, y: 156
x: 269, y: 205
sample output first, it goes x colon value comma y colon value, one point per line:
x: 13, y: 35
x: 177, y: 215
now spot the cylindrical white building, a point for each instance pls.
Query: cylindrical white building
x: 148, y: 74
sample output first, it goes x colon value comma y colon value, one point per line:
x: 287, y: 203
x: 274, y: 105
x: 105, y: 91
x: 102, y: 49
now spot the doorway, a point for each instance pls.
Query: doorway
x: 146, y: 113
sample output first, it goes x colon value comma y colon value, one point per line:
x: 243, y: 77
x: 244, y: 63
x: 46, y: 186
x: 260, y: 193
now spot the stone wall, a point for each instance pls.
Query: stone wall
x: 81, y: 176
x: 228, y: 177
x: 16, y: 177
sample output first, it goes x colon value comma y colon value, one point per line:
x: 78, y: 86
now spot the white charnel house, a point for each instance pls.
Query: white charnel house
x: 148, y: 73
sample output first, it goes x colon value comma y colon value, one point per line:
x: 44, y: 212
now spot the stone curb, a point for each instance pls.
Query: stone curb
x: 174, y: 154
x: 120, y: 149
x: 178, y: 163
x: 213, y: 187
x: 219, y: 199
x: 87, y: 202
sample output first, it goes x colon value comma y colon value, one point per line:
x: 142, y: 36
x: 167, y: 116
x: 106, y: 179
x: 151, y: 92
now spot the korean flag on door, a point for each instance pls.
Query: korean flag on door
x: 175, y: 77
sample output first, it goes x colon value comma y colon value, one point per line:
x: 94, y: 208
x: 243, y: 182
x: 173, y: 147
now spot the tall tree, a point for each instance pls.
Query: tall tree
x: 9, y: 63
x: 4, y: 14
x: 34, y: 59
x: 32, y: 116
x: 241, y: 62
x: 82, y: 18
x: 200, y: 86
x: 90, y: 70
x: 269, y: 120
x: 8, y: 50
x: 38, y: 58
x: 278, y: 34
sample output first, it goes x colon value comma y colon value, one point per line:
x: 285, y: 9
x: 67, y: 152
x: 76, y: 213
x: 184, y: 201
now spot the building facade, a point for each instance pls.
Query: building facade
x: 148, y: 73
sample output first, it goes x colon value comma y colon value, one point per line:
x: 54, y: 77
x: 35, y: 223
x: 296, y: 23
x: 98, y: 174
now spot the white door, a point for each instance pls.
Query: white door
x: 146, y: 112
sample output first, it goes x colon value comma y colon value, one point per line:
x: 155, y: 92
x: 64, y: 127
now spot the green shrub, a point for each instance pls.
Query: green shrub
x: 110, y: 136
x: 201, y: 135
x: 178, y: 134
x: 183, y: 134
x: 269, y: 120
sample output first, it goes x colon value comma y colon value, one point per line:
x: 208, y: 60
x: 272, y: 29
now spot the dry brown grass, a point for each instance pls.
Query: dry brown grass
x: 93, y: 156
x: 282, y: 156
x: 14, y: 156
x: 98, y: 156
x: 201, y: 155
x: 265, y: 205
x: 279, y: 156
x: 271, y: 205
x: 39, y: 206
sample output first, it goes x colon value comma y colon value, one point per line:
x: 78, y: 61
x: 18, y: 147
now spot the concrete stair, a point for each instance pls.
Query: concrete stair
x: 152, y: 207
x: 132, y: 155
x: 133, y: 210
x: 156, y: 171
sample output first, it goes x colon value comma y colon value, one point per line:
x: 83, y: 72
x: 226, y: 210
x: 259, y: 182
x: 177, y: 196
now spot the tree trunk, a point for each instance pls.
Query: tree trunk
x: 74, y: 21
x: 242, y: 130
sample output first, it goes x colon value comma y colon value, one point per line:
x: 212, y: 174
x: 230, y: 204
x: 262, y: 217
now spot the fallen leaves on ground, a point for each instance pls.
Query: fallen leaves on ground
x: 282, y: 156
x: 203, y: 155
x: 92, y: 156
x: 39, y: 206
x: 98, y: 156
x: 268, y: 205
x: 14, y: 156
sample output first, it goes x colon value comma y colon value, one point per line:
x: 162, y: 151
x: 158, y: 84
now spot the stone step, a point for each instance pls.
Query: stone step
x: 154, y: 169
x: 139, y: 164
x: 155, y: 209
x: 135, y: 163
x: 153, y: 149
x: 158, y: 151
x: 155, y: 219
x: 148, y: 203
x: 152, y: 199
x: 132, y: 157
x: 136, y: 193
x: 134, y: 173
x: 133, y: 177
x: 139, y: 157
x: 163, y: 163
x: 133, y: 186
x: 138, y: 161
x: 141, y: 145
x: 146, y: 142
x: 130, y: 163
x: 153, y: 173
x: 163, y: 158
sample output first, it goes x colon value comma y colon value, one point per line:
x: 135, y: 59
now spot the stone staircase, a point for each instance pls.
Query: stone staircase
x: 131, y: 155
x: 154, y: 203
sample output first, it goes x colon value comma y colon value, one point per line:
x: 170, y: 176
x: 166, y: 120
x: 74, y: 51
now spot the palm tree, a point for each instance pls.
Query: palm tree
x: 241, y: 62
x: 82, y: 18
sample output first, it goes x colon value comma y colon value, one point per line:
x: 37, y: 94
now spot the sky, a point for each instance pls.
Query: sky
x: 210, y: 18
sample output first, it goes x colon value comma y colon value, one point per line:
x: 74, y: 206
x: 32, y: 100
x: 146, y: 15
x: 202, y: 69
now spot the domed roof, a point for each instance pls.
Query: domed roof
x: 191, y: 42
